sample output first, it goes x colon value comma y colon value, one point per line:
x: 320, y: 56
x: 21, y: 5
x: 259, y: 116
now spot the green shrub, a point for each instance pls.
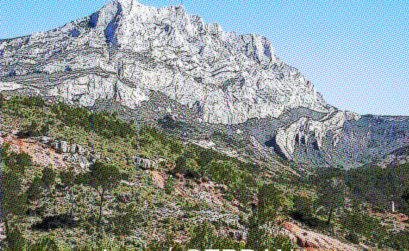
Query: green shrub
x: 33, y: 101
x: 364, y: 224
x: 102, y: 123
x: 203, y: 236
x: 48, y: 177
x: 35, y: 189
x: 44, y: 244
x: 15, y: 239
x: 169, y: 186
x: 352, y: 238
x: 398, y: 241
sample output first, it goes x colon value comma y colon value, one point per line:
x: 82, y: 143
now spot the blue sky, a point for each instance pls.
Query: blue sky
x: 355, y: 52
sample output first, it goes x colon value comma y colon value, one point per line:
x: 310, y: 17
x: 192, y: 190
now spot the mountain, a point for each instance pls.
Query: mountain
x: 147, y: 63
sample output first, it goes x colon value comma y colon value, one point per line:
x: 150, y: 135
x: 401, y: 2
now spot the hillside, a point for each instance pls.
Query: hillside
x: 148, y: 63
x: 165, y: 191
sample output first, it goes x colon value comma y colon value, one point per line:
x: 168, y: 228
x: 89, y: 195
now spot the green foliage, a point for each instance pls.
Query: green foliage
x: 15, y: 239
x: 33, y: 101
x: 198, y: 162
x: 352, y: 238
x: 12, y: 199
x: 332, y: 195
x: 154, y: 142
x: 44, y: 244
x: 303, y: 212
x: 67, y: 178
x: 1, y: 100
x: 35, y: 189
x: 165, y: 245
x: 378, y: 186
x: 260, y: 239
x: 405, y: 195
x: 48, y: 177
x: 34, y: 129
x: 363, y: 224
x: 203, y: 236
x: 122, y: 224
x: 103, y: 178
x: 15, y: 162
x: 102, y: 123
x: 188, y: 167
x: 169, y: 186
x: 270, y: 203
x: 398, y: 241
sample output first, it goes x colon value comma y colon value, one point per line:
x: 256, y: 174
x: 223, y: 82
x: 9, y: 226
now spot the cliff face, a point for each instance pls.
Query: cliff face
x: 127, y: 51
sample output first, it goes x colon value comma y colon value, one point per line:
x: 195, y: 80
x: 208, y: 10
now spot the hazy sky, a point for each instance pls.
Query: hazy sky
x: 355, y: 52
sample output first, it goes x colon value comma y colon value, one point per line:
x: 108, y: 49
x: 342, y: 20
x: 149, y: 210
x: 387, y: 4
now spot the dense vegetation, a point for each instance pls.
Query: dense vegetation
x: 114, y: 204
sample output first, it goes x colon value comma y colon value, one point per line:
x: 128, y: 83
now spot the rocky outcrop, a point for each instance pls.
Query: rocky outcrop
x: 150, y: 62
x: 75, y: 153
x: 144, y: 163
x: 2, y: 232
x: 305, y: 130
x: 126, y: 50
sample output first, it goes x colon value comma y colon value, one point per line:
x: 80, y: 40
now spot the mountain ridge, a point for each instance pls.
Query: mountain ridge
x: 221, y: 76
x: 160, y: 62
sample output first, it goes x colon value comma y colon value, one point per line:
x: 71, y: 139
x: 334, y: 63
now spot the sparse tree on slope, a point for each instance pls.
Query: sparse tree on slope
x: 103, y: 178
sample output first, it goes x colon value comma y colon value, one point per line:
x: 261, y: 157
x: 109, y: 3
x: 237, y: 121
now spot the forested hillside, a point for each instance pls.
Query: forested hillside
x: 74, y: 178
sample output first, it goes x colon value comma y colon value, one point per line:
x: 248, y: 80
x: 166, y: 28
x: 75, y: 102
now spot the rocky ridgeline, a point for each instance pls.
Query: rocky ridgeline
x: 127, y: 49
x: 80, y: 155
x: 165, y: 61
x: 77, y: 154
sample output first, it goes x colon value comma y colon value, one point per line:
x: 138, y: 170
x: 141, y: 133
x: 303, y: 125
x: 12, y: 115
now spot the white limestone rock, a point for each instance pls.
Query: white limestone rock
x: 127, y: 49
x: 286, y: 137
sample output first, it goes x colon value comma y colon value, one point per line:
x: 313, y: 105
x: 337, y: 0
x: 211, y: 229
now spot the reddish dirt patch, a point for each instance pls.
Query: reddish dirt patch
x: 157, y: 178
x: 40, y: 154
x: 309, y: 240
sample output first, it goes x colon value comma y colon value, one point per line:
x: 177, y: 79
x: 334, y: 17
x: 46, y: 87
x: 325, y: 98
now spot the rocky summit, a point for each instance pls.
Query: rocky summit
x: 131, y: 54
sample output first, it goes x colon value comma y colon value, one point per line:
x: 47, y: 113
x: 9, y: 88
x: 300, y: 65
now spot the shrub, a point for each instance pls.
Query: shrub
x: 169, y: 186
x: 48, y: 177
x: 361, y: 223
x: 398, y: 241
x: 33, y: 101
x: 352, y: 238
x: 203, y: 236
x: 35, y: 189
x: 102, y: 123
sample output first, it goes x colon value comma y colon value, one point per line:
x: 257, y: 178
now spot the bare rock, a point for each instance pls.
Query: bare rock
x: 144, y: 163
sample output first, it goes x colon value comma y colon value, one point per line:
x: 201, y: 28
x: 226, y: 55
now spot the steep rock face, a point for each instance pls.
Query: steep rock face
x: 345, y: 139
x: 127, y: 49
x: 164, y: 61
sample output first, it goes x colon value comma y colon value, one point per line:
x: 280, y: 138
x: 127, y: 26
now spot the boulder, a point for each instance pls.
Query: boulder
x: 65, y: 147
x: 78, y: 160
x: 144, y: 163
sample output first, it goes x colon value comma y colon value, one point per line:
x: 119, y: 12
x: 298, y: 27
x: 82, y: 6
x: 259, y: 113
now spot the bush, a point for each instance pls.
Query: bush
x: 203, y: 236
x: 165, y: 245
x: 48, y: 177
x: 15, y: 239
x: 352, y: 238
x: 399, y: 241
x: 35, y: 189
x: 104, y: 124
x: 188, y: 167
x: 1, y: 100
x: 363, y: 224
x: 33, y: 101
x: 169, y: 186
